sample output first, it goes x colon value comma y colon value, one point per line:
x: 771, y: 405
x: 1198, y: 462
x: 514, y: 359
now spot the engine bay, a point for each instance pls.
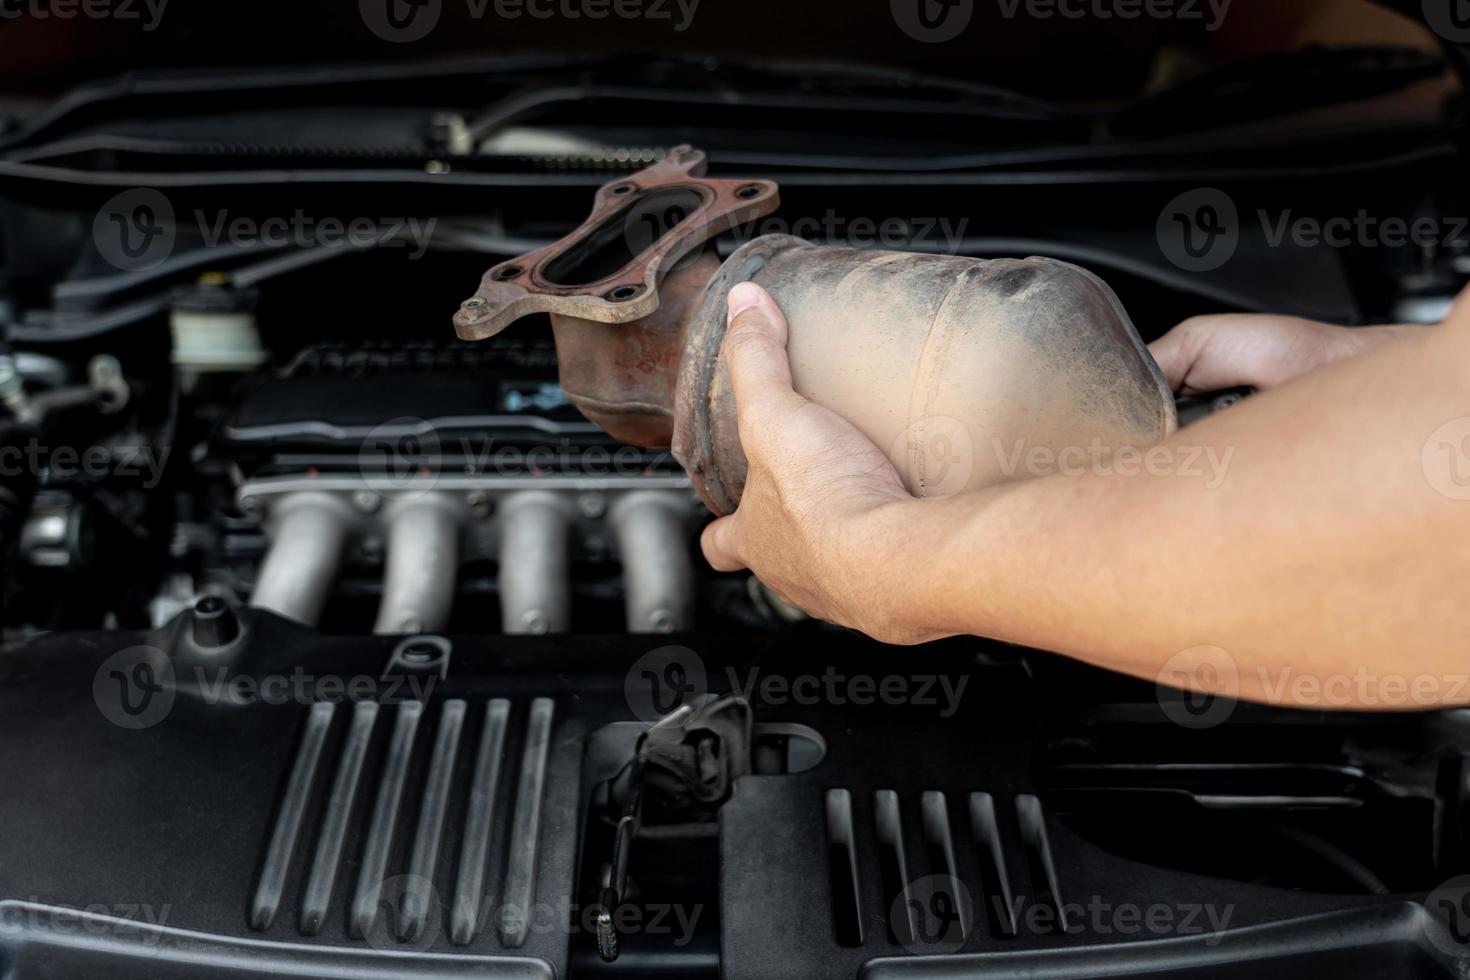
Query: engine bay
x: 337, y: 645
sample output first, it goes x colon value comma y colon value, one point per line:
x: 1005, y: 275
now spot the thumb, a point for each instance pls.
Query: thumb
x: 1176, y: 352
x: 755, y: 350
x: 719, y: 546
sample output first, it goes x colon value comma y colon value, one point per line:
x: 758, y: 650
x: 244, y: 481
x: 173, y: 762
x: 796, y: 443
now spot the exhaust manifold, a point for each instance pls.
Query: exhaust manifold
x: 947, y: 363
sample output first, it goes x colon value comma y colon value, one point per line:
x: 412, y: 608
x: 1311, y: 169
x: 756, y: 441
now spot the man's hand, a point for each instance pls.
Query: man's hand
x: 816, y: 522
x: 1331, y: 550
x: 1208, y: 353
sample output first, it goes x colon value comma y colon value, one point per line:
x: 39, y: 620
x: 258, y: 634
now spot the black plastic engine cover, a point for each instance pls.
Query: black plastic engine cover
x: 175, y: 811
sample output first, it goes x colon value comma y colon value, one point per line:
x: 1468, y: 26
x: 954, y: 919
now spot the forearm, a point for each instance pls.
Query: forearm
x: 1324, y: 549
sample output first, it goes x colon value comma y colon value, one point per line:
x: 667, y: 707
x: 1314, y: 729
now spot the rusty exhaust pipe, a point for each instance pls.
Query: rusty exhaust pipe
x: 949, y: 364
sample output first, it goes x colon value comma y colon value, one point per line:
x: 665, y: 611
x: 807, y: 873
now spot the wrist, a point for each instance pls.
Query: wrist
x: 897, y: 558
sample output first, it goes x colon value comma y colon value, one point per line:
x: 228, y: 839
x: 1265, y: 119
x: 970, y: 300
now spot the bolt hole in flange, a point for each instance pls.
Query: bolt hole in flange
x: 507, y: 272
x: 624, y: 293
x: 748, y: 191
x: 623, y: 189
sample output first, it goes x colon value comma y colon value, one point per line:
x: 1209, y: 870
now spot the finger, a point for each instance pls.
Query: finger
x: 1176, y: 352
x: 719, y: 545
x: 755, y: 350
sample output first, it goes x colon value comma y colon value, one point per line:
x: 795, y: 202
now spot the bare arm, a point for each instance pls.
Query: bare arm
x: 1333, y: 545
